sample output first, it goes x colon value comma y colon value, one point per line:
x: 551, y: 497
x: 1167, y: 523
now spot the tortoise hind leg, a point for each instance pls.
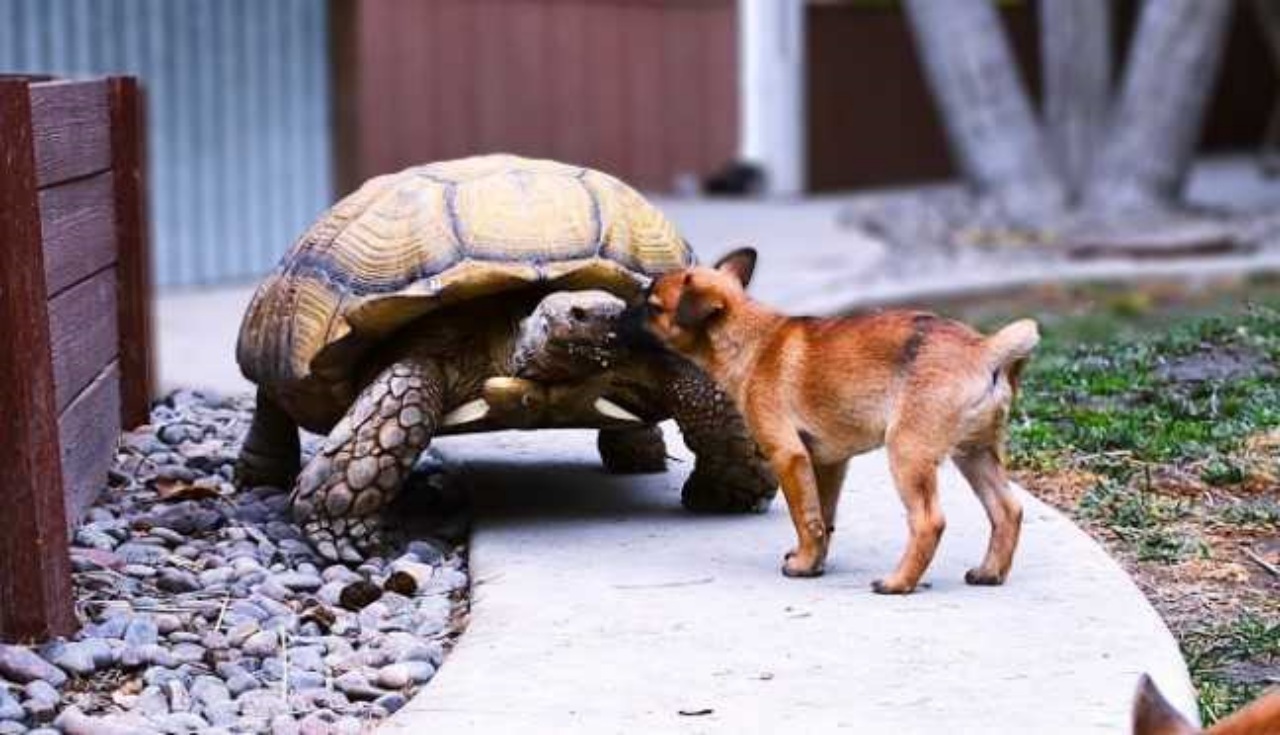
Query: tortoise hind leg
x: 366, y: 458
x: 730, y: 474
x: 270, y: 455
x: 627, y: 451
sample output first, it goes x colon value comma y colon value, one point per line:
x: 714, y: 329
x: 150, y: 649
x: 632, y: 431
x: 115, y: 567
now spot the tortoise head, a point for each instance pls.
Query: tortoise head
x: 569, y: 335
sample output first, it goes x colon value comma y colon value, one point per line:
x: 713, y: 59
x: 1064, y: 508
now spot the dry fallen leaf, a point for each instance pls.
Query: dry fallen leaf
x: 174, y: 491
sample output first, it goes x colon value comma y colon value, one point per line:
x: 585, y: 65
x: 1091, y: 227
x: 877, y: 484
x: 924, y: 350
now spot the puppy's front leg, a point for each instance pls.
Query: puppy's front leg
x: 800, y: 487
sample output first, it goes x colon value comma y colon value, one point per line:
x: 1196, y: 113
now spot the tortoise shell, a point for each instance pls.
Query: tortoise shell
x: 408, y: 243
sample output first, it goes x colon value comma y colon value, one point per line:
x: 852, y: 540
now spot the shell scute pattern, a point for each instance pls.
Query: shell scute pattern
x: 408, y: 243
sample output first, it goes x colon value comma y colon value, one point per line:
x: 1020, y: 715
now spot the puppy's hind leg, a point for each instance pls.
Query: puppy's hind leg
x: 916, y: 476
x: 982, y: 468
x: 830, y: 478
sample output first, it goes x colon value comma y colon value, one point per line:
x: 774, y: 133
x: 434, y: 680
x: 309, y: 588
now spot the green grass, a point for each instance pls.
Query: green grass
x: 1211, y: 653
x: 1111, y: 402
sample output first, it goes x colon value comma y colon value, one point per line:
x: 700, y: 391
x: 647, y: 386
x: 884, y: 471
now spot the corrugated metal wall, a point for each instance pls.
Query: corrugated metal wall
x: 645, y: 89
x: 239, y: 115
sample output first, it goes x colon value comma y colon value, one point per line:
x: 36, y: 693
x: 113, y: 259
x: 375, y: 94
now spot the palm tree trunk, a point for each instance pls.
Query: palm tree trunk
x: 991, y: 128
x: 1075, y: 63
x: 1155, y: 124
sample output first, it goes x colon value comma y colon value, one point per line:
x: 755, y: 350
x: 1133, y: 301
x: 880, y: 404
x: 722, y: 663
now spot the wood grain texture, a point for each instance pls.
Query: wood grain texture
x: 89, y: 429
x: 133, y: 276
x: 78, y: 220
x: 83, y: 334
x: 35, y: 573
x: 643, y: 89
x: 70, y: 124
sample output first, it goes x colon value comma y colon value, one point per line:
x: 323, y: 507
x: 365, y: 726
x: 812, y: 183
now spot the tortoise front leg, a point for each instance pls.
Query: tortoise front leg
x: 270, y: 454
x: 730, y: 474
x: 366, y: 458
x: 638, y: 450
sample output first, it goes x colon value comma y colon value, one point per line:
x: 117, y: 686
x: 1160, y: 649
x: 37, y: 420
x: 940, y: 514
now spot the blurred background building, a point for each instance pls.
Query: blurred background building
x: 261, y: 113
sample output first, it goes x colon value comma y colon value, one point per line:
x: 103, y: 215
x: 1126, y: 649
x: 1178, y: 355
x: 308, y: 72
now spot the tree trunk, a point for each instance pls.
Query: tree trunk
x: 973, y: 78
x: 1155, y: 124
x: 1075, y: 54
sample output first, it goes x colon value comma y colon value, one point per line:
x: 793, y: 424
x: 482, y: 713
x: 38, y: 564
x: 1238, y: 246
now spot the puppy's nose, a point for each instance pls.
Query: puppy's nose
x: 632, y: 331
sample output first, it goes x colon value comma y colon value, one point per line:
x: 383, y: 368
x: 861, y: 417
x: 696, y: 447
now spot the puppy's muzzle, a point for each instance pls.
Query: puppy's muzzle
x: 633, y: 330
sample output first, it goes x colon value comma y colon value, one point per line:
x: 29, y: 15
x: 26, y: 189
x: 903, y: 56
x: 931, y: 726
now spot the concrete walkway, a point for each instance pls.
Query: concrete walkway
x: 601, y: 607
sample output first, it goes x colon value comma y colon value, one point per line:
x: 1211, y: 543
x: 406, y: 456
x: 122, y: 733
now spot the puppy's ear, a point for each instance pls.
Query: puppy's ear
x: 1153, y: 715
x: 694, y: 309
x: 740, y: 264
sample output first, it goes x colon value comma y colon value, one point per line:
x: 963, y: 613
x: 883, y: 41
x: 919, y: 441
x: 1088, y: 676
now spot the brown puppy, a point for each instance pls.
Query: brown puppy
x: 1153, y: 715
x: 817, y: 391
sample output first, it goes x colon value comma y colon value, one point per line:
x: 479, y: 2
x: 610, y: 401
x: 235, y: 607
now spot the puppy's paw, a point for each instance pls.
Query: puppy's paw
x: 797, y: 565
x: 983, y: 578
x: 892, y: 587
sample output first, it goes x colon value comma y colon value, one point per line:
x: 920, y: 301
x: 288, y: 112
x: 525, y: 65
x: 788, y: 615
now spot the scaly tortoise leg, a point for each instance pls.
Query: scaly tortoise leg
x: 626, y: 451
x: 730, y: 474
x: 270, y: 454
x: 366, y: 458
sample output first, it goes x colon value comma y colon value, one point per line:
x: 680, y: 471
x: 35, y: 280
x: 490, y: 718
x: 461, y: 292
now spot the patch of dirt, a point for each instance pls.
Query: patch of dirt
x: 1216, y: 363
x: 1228, y: 569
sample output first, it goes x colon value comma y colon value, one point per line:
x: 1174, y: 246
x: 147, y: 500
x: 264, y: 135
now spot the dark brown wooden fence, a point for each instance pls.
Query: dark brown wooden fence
x: 645, y: 89
x: 74, y: 324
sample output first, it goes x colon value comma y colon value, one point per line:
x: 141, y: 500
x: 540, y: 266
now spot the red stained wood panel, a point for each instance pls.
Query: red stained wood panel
x: 646, y: 114
x: 88, y: 429
x: 720, y: 61
x: 646, y: 89
x: 35, y: 573
x: 71, y: 127
x: 453, y: 93
x: 133, y: 251
x: 568, y: 84
x: 83, y: 334
x: 683, y: 82
x: 78, y: 220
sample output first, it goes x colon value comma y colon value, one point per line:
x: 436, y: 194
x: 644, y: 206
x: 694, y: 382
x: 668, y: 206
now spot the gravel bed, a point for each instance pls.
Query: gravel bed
x: 203, y: 610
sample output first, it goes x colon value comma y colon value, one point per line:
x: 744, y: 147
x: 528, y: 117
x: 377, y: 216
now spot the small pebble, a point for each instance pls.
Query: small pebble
x: 21, y: 665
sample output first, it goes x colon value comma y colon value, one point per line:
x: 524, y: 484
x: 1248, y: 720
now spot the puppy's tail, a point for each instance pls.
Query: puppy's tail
x: 1010, y: 347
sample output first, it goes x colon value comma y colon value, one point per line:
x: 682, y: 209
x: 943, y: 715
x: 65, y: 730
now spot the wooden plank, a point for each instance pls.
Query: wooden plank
x: 720, y: 105
x: 344, y: 75
x: 89, y: 429
x: 83, y: 334
x: 683, y: 85
x: 489, y: 74
x: 646, y: 98
x: 35, y: 568
x: 25, y: 77
x: 70, y: 122
x: 567, y: 97
x: 133, y: 270
x: 78, y: 220
x: 453, y: 92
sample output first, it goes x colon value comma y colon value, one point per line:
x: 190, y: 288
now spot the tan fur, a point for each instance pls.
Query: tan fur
x: 1153, y: 715
x: 815, y: 392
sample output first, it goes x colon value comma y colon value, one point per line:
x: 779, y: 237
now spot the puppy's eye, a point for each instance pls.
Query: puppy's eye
x: 655, y: 306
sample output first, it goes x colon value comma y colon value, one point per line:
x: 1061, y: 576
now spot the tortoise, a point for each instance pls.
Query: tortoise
x: 472, y: 295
